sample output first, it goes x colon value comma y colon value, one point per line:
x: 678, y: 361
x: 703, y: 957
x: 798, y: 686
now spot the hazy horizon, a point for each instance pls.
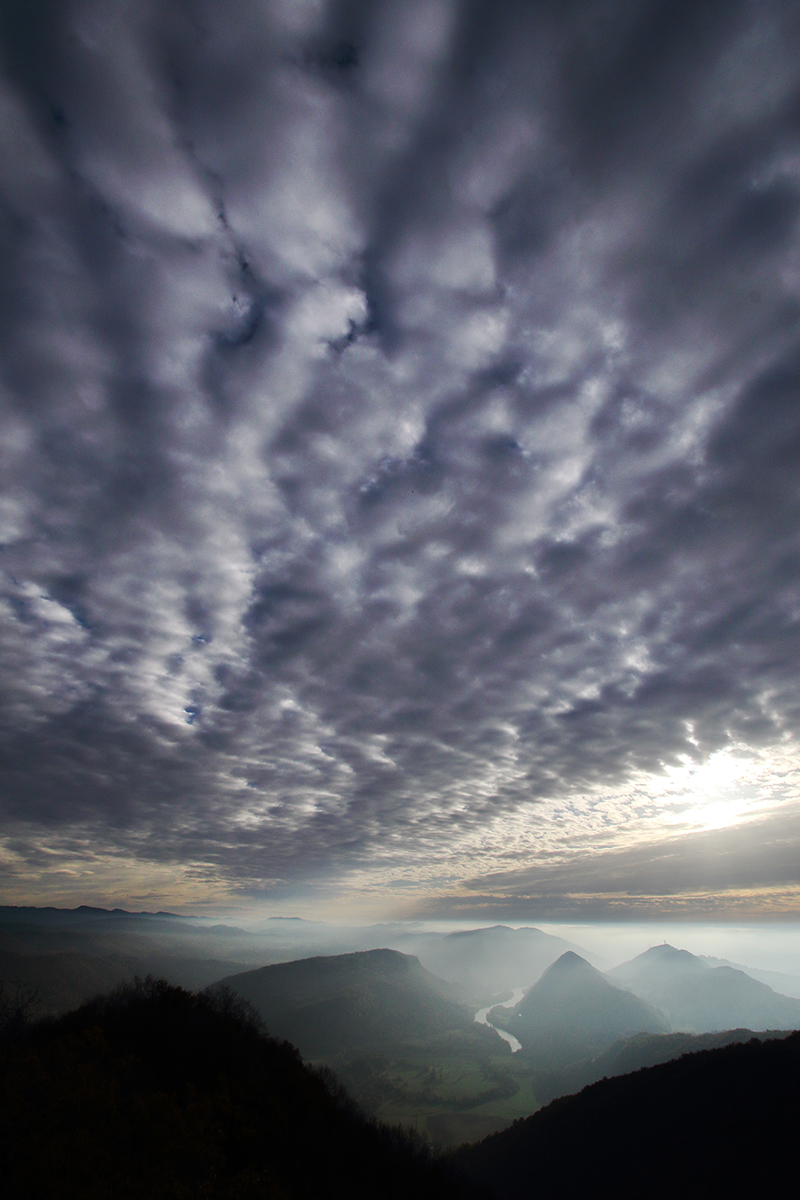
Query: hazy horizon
x: 773, y: 946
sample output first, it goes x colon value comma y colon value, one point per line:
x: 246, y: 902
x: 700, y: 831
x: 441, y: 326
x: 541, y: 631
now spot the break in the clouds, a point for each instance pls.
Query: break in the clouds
x: 400, y: 445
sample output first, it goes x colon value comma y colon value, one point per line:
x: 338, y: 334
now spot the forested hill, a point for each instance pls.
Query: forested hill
x: 573, y: 1010
x: 720, y: 1123
x: 155, y: 1092
x: 338, y: 1003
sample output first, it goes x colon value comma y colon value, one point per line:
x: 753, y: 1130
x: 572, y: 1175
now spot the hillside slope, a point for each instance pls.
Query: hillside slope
x: 63, y: 981
x: 332, y: 1005
x: 154, y: 1092
x: 701, y: 999
x: 573, y: 1011
x: 69, y: 955
x: 488, y: 961
x: 720, y: 1123
x: 631, y: 1054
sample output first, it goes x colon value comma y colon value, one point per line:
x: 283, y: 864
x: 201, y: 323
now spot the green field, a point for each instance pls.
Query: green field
x: 450, y: 1098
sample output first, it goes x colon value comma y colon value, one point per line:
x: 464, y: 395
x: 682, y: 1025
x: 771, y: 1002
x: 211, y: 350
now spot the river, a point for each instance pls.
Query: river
x: 482, y: 1018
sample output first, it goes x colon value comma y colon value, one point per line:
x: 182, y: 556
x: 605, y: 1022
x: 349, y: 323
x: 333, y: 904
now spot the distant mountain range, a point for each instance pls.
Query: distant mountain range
x: 574, y: 1023
x: 13, y: 914
x: 699, y: 999
x: 69, y: 955
x: 488, y: 961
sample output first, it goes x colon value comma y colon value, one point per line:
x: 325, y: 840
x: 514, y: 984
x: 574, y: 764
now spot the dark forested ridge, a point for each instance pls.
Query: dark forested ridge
x: 719, y: 1123
x: 631, y: 1054
x: 156, y: 1092
x: 153, y: 1091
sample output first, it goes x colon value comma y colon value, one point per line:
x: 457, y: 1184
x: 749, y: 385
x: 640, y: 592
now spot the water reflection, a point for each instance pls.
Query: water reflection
x: 481, y: 1016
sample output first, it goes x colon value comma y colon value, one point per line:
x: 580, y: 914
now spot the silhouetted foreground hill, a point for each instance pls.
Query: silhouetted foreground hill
x: 631, y: 1054
x: 154, y: 1092
x: 334, y: 1004
x: 720, y: 1123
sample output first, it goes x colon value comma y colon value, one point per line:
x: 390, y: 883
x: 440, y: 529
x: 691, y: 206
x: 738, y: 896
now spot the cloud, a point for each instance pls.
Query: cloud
x: 745, y: 866
x: 399, y: 420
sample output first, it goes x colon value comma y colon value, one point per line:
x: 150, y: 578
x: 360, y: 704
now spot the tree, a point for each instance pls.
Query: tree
x: 19, y: 1004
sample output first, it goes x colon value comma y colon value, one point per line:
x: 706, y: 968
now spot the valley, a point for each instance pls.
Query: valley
x: 421, y: 1040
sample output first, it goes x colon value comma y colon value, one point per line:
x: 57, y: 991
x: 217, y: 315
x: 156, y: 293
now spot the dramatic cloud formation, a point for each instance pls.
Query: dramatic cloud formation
x: 401, y: 450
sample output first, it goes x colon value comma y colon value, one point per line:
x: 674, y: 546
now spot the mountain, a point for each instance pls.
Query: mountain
x: 155, y: 1092
x: 193, y: 951
x: 69, y: 955
x: 780, y: 982
x: 13, y: 914
x: 632, y: 1054
x: 484, y: 961
x: 488, y: 961
x: 698, y: 998
x: 719, y: 1123
x: 335, y: 1004
x: 573, y: 1011
x: 65, y: 979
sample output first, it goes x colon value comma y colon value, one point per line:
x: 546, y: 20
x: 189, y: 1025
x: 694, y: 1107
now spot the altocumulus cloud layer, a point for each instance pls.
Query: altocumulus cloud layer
x: 401, y: 441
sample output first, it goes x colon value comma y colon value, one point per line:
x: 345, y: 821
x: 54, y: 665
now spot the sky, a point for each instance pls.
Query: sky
x: 400, y: 457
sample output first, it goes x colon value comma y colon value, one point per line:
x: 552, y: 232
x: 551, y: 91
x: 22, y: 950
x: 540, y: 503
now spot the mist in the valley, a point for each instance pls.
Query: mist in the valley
x: 490, y: 957
x: 763, y: 947
x: 767, y: 946
x: 695, y: 978
x: 456, y: 1029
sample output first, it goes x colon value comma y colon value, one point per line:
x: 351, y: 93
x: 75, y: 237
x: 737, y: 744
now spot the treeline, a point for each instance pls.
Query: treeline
x: 153, y: 1091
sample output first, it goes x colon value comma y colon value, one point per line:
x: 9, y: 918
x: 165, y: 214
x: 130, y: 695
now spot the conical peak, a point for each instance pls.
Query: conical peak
x: 569, y: 961
x: 568, y: 972
x: 660, y: 962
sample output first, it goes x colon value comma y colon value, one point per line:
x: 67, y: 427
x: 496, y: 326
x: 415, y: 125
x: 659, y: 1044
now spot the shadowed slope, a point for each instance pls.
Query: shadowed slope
x: 574, y: 1010
x: 154, y: 1092
x: 632, y: 1054
x: 63, y: 981
x: 486, y: 961
x: 701, y: 999
x: 715, y: 1124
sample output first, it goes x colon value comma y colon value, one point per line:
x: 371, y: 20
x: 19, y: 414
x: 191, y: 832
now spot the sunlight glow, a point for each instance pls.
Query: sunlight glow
x: 713, y: 794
